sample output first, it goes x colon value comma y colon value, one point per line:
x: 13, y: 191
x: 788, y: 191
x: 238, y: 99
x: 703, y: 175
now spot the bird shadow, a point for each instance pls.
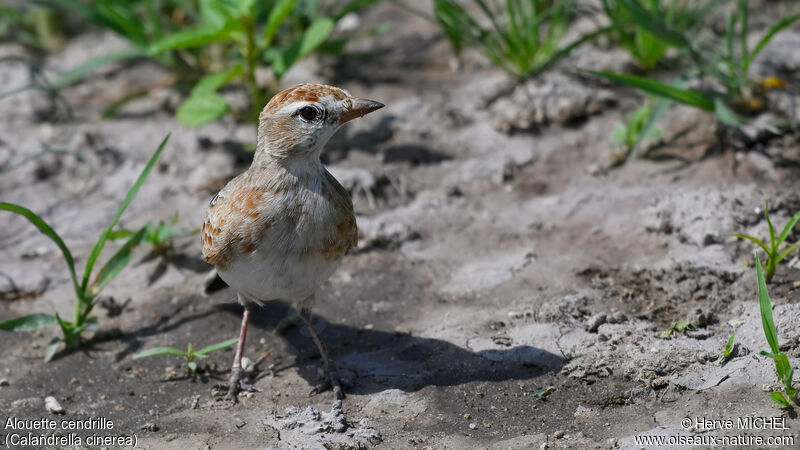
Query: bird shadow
x: 369, y: 360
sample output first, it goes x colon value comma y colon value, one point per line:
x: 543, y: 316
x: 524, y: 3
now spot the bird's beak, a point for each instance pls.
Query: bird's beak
x: 359, y: 107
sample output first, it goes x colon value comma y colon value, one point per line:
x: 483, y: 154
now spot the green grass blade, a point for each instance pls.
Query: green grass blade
x: 729, y: 346
x: 743, y: 33
x: 30, y: 322
x: 52, y: 348
x: 786, y: 252
x: 49, y: 232
x: 201, y: 109
x: 788, y: 228
x: 754, y: 240
x: 159, y: 351
x: 75, y: 74
x: 315, y: 35
x: 215, y: 347
x: 689, y: 97
x: 656, y: 113
x: 210, y: 83
x: 276, y: 17
x: 777, y: 28
x: 117, y: 262
x: 189, y: 38
x: 561, y: 53
x: 766, y: 310
x: 101, y: 242
x: 774, y: 248
x: 655, y: 25
x: 725, y: 114
x: 778, y: 398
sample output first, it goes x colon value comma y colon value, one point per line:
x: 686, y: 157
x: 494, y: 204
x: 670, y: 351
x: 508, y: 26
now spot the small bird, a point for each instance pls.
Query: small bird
x: 280, y: 229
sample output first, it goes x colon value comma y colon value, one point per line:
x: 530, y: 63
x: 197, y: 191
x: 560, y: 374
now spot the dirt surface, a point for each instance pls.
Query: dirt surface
x: 509, y: 290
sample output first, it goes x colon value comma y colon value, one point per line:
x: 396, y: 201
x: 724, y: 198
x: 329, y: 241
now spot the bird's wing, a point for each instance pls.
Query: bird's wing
x: 346, y: 228
x: 234, y: 224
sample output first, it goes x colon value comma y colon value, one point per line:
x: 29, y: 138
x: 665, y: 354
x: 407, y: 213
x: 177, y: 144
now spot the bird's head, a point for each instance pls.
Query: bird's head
x: 297, y: 122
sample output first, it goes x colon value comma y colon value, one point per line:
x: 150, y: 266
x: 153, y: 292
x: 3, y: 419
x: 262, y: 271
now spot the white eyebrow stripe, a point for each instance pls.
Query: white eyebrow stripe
x: 294, y: 106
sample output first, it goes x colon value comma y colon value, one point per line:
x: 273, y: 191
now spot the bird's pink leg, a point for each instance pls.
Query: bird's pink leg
x: 234, y: 386
x: 330, y: 378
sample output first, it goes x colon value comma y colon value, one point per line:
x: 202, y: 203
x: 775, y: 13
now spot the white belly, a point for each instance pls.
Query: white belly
x: 262, y: 276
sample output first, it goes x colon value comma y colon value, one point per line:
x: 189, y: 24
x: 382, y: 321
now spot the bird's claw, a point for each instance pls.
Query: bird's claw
x: 235, y: 386
x: 329, y: 383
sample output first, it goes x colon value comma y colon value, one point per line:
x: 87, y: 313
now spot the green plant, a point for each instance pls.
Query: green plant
x: 215, y: 42
x: 523, y: 38
x: 676, y: 327
x: 719, y: 60
x: 35, y: 26
x: 86, y: 291
x: 726, y: 352
x: 189, y: 354
x: 646, y: 48
x: 630, y: 137
x: 774, y: 255
x: 158, y: 236
x: 782, y: 365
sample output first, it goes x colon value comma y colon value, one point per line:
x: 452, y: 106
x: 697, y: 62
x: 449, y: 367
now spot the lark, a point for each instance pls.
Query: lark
x: 280, y: 229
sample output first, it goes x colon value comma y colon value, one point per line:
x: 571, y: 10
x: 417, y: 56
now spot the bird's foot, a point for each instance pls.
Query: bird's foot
x: 330, y: 382
x: 234, y: 386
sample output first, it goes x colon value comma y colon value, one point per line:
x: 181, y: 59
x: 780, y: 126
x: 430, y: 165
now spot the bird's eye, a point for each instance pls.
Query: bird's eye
x: 308, y: 113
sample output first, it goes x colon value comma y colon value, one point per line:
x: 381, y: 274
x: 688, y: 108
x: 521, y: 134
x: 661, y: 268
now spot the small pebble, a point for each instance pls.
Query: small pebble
x: 467, y: 416
x: 558, y: 434
x: 3, y: 382
x: 52, y: 405
x: 150, y: 426
x: 473, y: 426
x: 73, y: 381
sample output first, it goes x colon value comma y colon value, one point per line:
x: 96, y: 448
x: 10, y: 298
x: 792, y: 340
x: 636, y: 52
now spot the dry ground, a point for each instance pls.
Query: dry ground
x: 509, y: 291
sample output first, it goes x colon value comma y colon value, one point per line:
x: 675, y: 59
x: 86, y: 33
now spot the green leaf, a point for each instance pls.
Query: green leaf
x: 120, y: 233
x: 680, y: 326
x: 780, y: 399
x: 101, y: 242
x: 729, y: 346
x: 215, y: 347
x: 786, y: 252
x: 215, y: 13
x: 75, y: 74
x: 654, y: 24
x: 30, y: 322
x: 725, y: 114
x: 689, y: 97
x: 777, y: 28
x: 773, y: 248
x: 159, y: 351
x: 52, y: 349
x: 755, y: 240
x: 201, y: 109
x: 166, y: 231
x: 788, y: 229
x: 117, y: 262
x: 315, y: 35
x: 210, y: 83
x: 49, y: 232
x: 276, y: 17
x: 766, y: 310
x: 619, y: 134
x: 192, y: 37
